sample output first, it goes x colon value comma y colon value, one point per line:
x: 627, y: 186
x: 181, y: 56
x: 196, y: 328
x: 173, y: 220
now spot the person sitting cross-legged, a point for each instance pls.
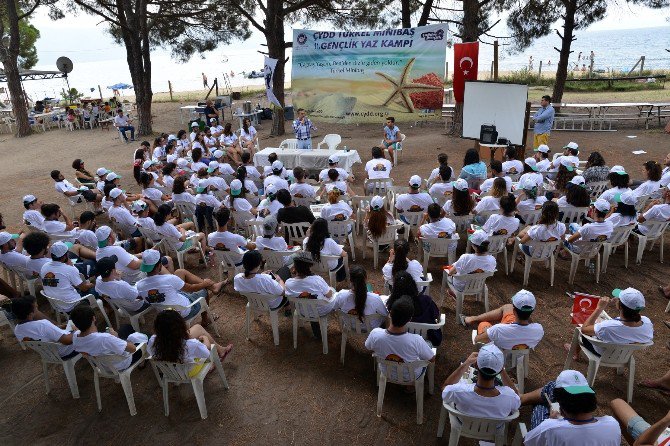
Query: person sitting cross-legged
x: 509, y: 326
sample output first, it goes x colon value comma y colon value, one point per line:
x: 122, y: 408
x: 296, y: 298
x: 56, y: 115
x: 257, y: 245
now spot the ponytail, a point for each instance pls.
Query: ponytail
x: 358, y: 277
x: 160, y: 217
x: 401, y: 249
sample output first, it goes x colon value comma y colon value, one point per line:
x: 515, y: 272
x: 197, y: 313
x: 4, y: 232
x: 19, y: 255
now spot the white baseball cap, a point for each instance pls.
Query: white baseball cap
x: 567, y: 163
x: 376, y: 203
x: 531, y: 162
x: 202, y: 185
x: 630, y: 297
x: 542, y: 148
x: 573, y: 382
x: 627, y: 197
x: 490, y: 357
x: 478, y: 237
x: 460, y: 184
x: 111, y: 176
x: 277, y: 166
x: 578, y: 180
x: 172, y: 137
x: 148, y: 163
x: 213, y: 165
x: 524, y: 300
x: 150, y: 257
x: 415, y: 181
x: 218, y: 153
x: 138, y: 206
x: 195, y: 124
x: 59, y: 249
x: 618, y: 170
x: 527, y: 183
x: 333, y: 159
x: 101, y: 172
x: 235, y: 187
x: 602, y: 205
x: 6, y: 236
x: 212, y: 119
x: 572, y: 145
x: 29, y: 199
x: 102, y: 234
x: 115, y: 193
x: 270, y: 189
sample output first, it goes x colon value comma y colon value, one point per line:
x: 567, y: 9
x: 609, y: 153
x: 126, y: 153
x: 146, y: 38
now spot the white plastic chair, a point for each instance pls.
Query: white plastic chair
x: 304, y: 201
x: 412, y: 221
x: 351, y: 326
x: 291, y: 143
x: 475, y: 285
x: 5, y: 321
x: 462, y: 222
x: 597, y: 188
x: 274, y: 260
x: 617, y: 356
x: 240, y: 219
x: 516, y: 358
x: 378, y: 186
x: 331, y: 141
x: 120, y: 312
x: 203, y: 308
x: 339, y: 231
x: 48, y: 352
x: 77, y: 201
x: 587, y: 251
x: 403, y: 373
x: 398, y: 150
x: 489, y: 429
x: 619, y: 237
x: 573, y: 214
x: 260, y: 304
x: 151, y: 237
x: 296, y: 232
x: 655, y: 231
x: 422, y: 330
x: 530, y: 217
x: 307, y: 310
x: 387, y: 238
x: 540, y: 252
x: 171, y: 244
x: 187, y: 212
x: 254, y: 229
x: 497, y: 244
x: 103, y: 366
x: 57, y: 305
x: 439, y: 247
x: 641, y: 202
x: 360, y: 204
x: 177, y: 373
x: 227, y: 261
x: 321, y: 267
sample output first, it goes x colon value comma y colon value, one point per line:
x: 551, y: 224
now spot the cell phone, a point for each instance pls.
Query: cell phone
x: 273, y: 275
x: 75, y: 223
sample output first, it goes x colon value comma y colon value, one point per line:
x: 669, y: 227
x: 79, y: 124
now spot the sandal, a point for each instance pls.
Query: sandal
x: 229, y: 348
x: 462, y: 321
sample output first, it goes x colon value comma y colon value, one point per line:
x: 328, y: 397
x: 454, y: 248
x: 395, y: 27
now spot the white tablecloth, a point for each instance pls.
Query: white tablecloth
x: 309, y: 159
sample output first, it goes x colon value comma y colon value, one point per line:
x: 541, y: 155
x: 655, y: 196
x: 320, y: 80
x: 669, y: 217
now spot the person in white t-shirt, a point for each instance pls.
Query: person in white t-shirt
x: 357, y: 300
x: 224, y: 240
x: 496, y: 172
x: 548, y: 228
x: 484, y: 398
x: 491, y: 203
x: 624, y: 213
x: 269, y: 205
x: 508, y: 326
x: 61, y: 280
x: 85, y: 232
x: 277, y: 178
x: 32, y: 216
x: 512, y: 165
x: 335, y: 182
x: 619, y: 180
x: 437, y: 226
x: 301, y: 189
x: 542, y: 157
x: 528, y: 199
x: 665, y: 173
x: 36, y: 244
x: 442, y: 160
x: 657, y: 210
x: 271, y: 238
x: 337, y: 209
x: 574, y: 423
x: 636, y: 430
x: 154, y: 197
x: 128, y: 264
x: 530, y: 171
x: 230, y: 144
x: 194, y: 348
x: 442, y: 184
x: 65, y: 230
x: 120, y: 292
x: 122, y: 123
x: 236, y: 200
x: 253, y: 280
x: 306, y: 285
x: 318, y: 242
x: 378, y: 166
x: 11, y: 253
x: 31, y: 325
x: 478, y: 262
x: 64, y: 187
x: 248, y: 137
x: 570, y: 152
x: 414, y: 200
x: 181, y: 235
x: 505, y: 223
x: 396, y: 344
x: 653, y: 172
x: 399, y: 261
x: 120, y: 214
x: 597, y: 231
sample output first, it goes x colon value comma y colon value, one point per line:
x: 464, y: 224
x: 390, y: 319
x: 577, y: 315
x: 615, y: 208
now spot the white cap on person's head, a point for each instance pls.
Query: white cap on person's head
x: 194, y: 124
x: 376, y: 203
x: 524, y: 300
x: 573, y: 382
x: 6, y: 236
x: 333, y: 159
x: 218, y: 153
x: 148, y: 163
x: 572, y: 145
x: 277, y: 166
x: 101, y: 172
x: 460, y: 184
x: 115, y: 193
x: 28, y: 199
x: 490, y: 357
x: 138, y: 206
x: 111, y: 176
x: 59, y: 249
x: 102, y: 234
x: 620, y: 170
x: 578, y: 180
x: 542, y: 148
x: 415, y: 181
x: 630, y: 297
x: 213, y: 165
x: 531, y: 162
x: 567, y: 163
x: 602, y: 205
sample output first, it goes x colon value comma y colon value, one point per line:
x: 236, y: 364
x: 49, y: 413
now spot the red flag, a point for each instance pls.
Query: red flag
x: 583, y: 305
x: 465, y: 66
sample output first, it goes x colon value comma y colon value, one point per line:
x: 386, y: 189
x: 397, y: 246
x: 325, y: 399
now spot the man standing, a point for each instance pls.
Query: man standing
x: 205, y: 83
x: 123, y: 124
x: 544, y: 120
x: 303, y: 130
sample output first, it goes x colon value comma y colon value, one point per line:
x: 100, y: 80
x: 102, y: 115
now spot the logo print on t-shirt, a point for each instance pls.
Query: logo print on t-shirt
x: 306, y: 295
x: 512, y: 170
x: 395, y: 358
x: 339, y: 217
x: 415, y: 208
x: 502, y: 231
x: 353, y: 312
x: 49, y: 279
x: 298, y: 195
x: 442, y: 234
x: 379, y: 168
x: 221, y: 247
x: 155, y: 297
x: 600, y: 238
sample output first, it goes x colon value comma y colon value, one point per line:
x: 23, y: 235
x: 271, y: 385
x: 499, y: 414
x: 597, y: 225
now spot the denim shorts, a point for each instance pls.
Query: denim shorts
x: 192, y: 297
x: 636, y: 426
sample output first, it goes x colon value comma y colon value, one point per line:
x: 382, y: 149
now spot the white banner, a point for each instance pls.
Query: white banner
x: 269, y: 73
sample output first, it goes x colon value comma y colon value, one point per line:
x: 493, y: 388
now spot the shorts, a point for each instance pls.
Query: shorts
x: 540, y: 139
x: 89, y: 195
x: 192, y: 297
x: 508, y: 318
x: 393, y: 145
x: 636, y: 426
x: 186, y: 245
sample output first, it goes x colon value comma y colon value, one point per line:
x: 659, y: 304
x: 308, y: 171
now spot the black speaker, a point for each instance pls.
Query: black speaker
x: 503, y: 141
x: 488, y: 134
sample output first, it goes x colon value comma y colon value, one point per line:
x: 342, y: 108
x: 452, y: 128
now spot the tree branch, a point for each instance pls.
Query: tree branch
x: 249, y: 17
x: 262, y: 6
x: 30, y: 11
x: 300, y: 5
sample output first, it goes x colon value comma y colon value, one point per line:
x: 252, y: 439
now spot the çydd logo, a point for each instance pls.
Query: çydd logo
x: 155, y: 297
x: 306, y: 295
x: 221, y: 247
x: 395, y: 358
x: 433, y: 35
x: 302, y: 38
x: 49, y: 279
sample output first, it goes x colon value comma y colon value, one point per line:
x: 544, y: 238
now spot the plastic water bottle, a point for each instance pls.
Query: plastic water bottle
x: 592, y: 267
x: 346, y: 149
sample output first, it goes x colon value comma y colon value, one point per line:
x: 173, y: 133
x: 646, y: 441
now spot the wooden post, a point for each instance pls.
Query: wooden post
x: 641, y: 65
x: 491, y: 70
x: 216, y: 82
x: 100, y: 91
x: 539, y: 72
x: 526, y: 122
x: 170, y: 89
x: 446, y: 72
x: 495, y: 60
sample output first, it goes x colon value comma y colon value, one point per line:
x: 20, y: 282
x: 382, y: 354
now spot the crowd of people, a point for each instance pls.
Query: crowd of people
x: 200, y: 190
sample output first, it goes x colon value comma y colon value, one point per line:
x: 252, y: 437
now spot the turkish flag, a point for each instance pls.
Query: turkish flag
x: 465, y: 66
x: 583, y: 305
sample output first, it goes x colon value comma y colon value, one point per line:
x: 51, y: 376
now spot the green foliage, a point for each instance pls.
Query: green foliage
x: 28, y: 35
x: 525, y: 76
x: 71, y: 96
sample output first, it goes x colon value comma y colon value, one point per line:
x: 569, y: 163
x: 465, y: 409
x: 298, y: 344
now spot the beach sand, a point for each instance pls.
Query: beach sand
x: 279, y: 395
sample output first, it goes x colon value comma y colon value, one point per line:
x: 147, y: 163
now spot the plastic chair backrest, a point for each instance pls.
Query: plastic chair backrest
x: 304, y: 201
x: 399, y: 372
x: 422, y: 328
x: 173, y: 371
x: 316, y: 208
x: 260, y: 302
x: 276, y: 259
x: 655, y: 228
x: 379, y: 186
x: 105, y: 364
x: 331, y: 140
x: 462, y: 222
x: 296, y: 232
x: 339, y: 230
x: 413, y: 218
x: 322, y: 265
x: 308, y: 309
x: 542, y: 250
x: 597, y: 188
x: 229, y: 258
x: 514, y: 355
x: 620, y: 235
x: 186, y: 209
x: 390, y: 235
x: 475, y: 282
x: 573, y: 214
x: 352, y: 324
x: 616, y: 353
x: 497, y: 243
x: 149, y: 234
x: 642, y: 202
x: 531, y: 217
x: 255, y: 228
x: 588, y: 249
x: 48, y: 351
x: 440, y: 246
x: 478, y: 427
x: 289, y: 144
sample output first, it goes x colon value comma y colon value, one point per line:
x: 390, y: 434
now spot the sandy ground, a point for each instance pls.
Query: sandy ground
x: 284, y: 396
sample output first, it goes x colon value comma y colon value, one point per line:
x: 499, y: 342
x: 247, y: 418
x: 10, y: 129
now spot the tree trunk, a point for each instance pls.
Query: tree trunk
x: 470, y: 28
x: 566, y: 43
x: 405, y: 14
x: 277, y: 50
x: 425, y: 13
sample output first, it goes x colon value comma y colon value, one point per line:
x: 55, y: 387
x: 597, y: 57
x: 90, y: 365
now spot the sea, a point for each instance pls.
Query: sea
x: 105, y: 66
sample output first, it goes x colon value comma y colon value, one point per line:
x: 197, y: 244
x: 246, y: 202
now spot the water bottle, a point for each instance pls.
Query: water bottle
x: 346, y: 149
x: 592, y: 267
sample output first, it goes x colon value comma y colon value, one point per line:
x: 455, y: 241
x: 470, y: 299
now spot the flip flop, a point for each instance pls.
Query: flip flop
x: 462, y: 321
x: 222, y: 358
x: 647, y: 384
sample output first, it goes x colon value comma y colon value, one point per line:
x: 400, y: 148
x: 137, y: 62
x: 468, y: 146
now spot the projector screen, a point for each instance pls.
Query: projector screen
x: 501, y: 104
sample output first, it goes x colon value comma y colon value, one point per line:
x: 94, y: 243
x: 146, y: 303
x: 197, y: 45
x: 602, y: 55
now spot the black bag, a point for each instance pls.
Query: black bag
x: 488, y: 134
x: 267, y: 114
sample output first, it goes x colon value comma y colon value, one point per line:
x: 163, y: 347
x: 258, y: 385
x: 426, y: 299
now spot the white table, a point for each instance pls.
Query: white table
x: 254, y: 116
x: 308, y: 159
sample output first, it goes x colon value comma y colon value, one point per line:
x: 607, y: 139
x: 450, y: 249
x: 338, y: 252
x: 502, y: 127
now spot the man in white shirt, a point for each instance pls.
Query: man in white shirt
x: 215, y: 128
x: 224, y: 240
x: 120, y: 214
x: 437, y: 226
x: 122, y: 123
x: 570, y: 153
x: 61, y: 280
x: 127, y: 264
x: 484, y: 398
x: 541, y: 156
x: 120, y: 292
x: 657, y: 210
x: 333, y: 161
x: 395, y: 343
x: 597, y: 231
x: 301, y: 189
x: 497, y: 171
x: 414, y: 200
x: 378, y: 166
x: 11, y: 247
x: 32, y: 216
x: 276, y: 177
x: 195, y: 128
x: 65, y: 230
x: 32, y: 326
x: 64, y: 187
x: 512, y: 328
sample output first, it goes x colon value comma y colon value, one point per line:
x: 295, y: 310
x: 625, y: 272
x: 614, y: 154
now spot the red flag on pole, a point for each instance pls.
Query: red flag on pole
x: 465, y: 66
x: 583, y: 305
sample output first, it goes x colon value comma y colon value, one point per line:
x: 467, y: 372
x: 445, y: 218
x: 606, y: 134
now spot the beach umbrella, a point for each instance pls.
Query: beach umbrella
x: 119, y: 86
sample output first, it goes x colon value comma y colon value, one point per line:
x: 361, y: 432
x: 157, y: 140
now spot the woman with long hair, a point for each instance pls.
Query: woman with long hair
x: 620, y: 182
x: 461, y: 202
x: 84, y: 177
x: 576, y: 194
x: 377, y: 219
x: 158, y: 149
x: 652, y: 185
x: 491, y: 202
x: 563, y: 177
x: 198, y: 161
x: 174, y: 341
x: 183, y: 142
x: 139, y: 159
x: 318, y: 242
x: 154, y: 195
x: 506, y: 222
x: 596, y: 170
x: 624, y: 213
x: 236, y: 200
x: 474, y: 170
x: 230, y: 144
x: 358, y: 300
x: 179, y: 192
x: 399, y: 261
x: 247, y: 179
x: 248, y: 136
x: 181, y: 232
